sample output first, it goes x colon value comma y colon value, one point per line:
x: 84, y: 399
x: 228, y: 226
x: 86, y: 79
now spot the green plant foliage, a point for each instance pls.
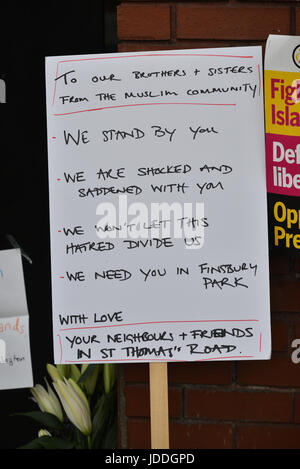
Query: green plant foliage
x: 81, y: 414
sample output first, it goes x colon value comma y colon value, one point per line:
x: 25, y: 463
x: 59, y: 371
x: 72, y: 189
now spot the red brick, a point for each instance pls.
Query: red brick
x: 297, y: 262
x: 279, y: 264
x: 297, y: 407
x: 186, y: 373
x: 298, y: 21
x: 181, y: 1
x: 138, y: 401
x: 268, y: 437
x: 200, y: 373
x: 264, y: 1
x: 237, y: 22
x: 297, y: 330
x: 239, y: 405
x: 279, y: 371
x: 138, y: 434
x: 285, y: 295
x: 140, y: 46
x: 280, y: 335
x: 136, y: 373
x: 182, y: 436
x: 200, y: 436
x: 148, y: 22
x: 136, y: 46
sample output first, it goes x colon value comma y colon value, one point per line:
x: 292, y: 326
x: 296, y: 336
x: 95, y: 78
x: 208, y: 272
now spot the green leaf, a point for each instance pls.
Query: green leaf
x: 34, y: 444
x: 44, y: 418
x: 48, y: 442
x: 87, y: 373
x: 100, y: 421
x: 104, y: 420
x: 110, y: 440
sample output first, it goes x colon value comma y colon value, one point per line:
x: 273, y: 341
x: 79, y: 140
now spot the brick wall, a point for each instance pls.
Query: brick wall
x: 253, y: 404
x: 148, y: 25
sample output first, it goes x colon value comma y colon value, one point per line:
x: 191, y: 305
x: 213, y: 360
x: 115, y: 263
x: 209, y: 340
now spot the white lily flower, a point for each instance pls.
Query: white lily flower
x: 43, y: 432
x: 75, y: 404
x: 47, y: 400
x: 54, y: 372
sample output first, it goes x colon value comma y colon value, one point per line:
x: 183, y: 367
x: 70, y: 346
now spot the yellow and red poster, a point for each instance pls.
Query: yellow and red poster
x: 282, y: 121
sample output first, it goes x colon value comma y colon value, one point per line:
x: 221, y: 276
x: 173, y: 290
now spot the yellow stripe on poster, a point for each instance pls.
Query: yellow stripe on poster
x: 282, y: 102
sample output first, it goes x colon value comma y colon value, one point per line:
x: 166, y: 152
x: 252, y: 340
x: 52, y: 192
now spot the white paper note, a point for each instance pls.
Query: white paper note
x: 162, y: 153
x: 15, y: 358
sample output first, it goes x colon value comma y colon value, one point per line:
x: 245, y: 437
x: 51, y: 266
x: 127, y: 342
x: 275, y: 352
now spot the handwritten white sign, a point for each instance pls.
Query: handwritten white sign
x: 15, y: 359
x: 158, y: 206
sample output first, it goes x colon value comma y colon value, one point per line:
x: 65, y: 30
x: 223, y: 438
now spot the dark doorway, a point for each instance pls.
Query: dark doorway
x: 35, y: 30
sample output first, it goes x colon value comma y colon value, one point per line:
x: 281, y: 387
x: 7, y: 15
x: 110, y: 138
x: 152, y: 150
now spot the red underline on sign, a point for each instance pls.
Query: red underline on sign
x: 260, y: 341
x: 156, y: 55
x: 157, y: 322
x: 60, y: 346
x: 144, y: 104
x: 160, y: 360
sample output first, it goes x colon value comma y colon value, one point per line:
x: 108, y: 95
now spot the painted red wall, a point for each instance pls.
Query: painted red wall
x: 254, y: 404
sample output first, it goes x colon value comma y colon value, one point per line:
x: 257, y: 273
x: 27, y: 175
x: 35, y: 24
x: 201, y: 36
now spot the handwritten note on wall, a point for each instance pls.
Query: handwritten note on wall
x: 15, y: 358
x: 158, y: 206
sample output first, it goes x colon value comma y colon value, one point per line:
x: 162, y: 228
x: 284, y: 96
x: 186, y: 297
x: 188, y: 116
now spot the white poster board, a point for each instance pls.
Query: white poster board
x: 15, y: 357
x: 159, y: 246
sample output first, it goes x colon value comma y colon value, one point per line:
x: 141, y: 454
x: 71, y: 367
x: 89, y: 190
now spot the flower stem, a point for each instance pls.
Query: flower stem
x: 89, y: 442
